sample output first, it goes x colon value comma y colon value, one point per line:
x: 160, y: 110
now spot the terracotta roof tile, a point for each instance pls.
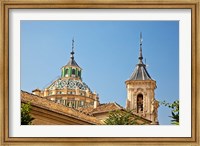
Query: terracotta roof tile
x: 86, y: 110
x: 56, y: 107
x: 107, y: 107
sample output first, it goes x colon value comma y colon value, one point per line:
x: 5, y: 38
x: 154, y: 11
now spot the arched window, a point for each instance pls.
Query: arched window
x: 73, y: 71
x: 139, y: 103
x: 66, y: 71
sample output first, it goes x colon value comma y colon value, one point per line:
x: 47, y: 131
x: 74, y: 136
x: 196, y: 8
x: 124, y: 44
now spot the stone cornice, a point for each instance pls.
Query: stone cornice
x: 152, y: 83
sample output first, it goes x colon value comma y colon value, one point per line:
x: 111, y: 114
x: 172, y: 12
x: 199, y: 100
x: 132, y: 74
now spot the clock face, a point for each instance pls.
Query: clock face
x: 69, y: 83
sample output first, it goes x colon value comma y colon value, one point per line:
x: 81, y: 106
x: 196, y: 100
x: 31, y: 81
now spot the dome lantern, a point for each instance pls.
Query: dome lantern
x: 72, y: 69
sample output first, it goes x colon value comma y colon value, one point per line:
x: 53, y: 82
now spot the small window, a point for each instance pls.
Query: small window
x: 58, y: 101
x: 73, y: 71
x: 67, y: 103
x: 79, y: 73
x: 139, y: 103
x: 66, y: 71
x: 62, y: 101
x: 82, y: 103
x: 70, y: 92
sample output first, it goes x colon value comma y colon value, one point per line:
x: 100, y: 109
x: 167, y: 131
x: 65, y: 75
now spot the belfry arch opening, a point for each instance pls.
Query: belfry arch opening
x: 73, y: 71
x: 139, y: 103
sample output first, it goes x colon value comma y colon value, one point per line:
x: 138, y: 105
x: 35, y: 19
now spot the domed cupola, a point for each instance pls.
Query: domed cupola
x: 69, y: 89
x: 70, y: 76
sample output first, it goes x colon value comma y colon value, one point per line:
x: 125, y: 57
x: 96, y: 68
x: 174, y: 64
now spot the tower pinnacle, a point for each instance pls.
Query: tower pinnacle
x: 140, y: 72
x: 72, y: 53
x: 140, y: 53
x: 71, y: 69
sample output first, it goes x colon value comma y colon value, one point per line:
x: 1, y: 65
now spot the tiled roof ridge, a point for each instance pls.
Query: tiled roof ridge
x: 77, y: 114
x: 106, y: 110
x: 81, y: 112
x: 108, y: 103
x: 32, y: 94
x: 118, y: 105
x: 115, y: 103
x: 85, y: 112
x: 91, y: 111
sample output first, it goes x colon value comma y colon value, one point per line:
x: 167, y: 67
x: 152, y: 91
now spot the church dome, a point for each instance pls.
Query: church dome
x: 70, y: 76
x: 68, y: 83
x: 69, y: 89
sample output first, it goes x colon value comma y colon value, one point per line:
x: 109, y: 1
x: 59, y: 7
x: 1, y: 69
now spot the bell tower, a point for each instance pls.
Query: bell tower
x: 140, y: 91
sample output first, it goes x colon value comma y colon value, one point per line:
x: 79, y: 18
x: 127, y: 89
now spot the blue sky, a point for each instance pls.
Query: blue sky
x: 107, y: 51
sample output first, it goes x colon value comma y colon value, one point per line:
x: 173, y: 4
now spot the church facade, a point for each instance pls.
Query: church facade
x: 72, y: 96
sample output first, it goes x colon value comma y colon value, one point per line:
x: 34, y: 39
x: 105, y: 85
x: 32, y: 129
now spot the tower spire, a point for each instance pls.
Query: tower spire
x: 72, y: 52
x: 140, y: 53
x: 140, y: 72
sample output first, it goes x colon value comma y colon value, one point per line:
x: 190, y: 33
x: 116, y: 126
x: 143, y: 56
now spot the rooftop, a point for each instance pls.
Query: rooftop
x: 107, y: 107
x: 72, y: 62
x: 140, y: 73
x: 56, y: 107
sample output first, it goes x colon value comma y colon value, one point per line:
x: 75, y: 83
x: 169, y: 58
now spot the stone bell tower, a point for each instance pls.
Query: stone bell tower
x: 140, y: 91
